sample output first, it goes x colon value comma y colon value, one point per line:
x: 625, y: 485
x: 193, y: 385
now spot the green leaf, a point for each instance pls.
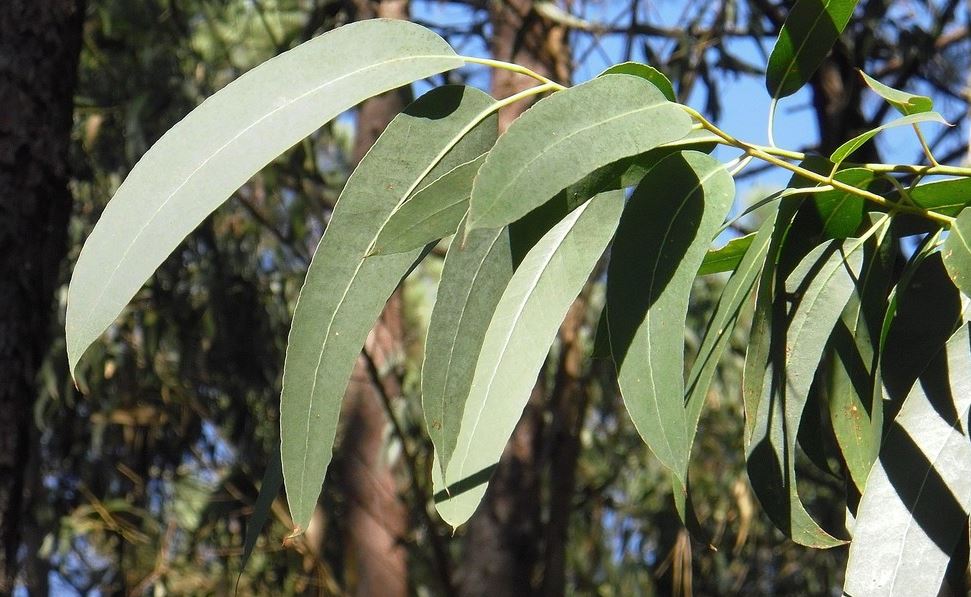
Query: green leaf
x: 203, y: 159
x: 845, y: 150
x: 854, y: 389
x: 842, y: 212
x: 810, y: 30
x: 474, y: 277
x: 515, y: 346
x: 269, y: 490
x: 727, y: 257
x: 905, y: 103
x: 566, y: 136
x: 946, y: 197
x: 432, y: 213
x: 648, y: 73
x: 345, y: 291
x: 957, y: 252
x: 819, y: 286
x: 915, y: 507
x: 661, y: 241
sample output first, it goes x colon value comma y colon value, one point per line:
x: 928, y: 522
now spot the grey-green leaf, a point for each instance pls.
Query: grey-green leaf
x: 567, y: 136
x: 661, y: 241
x: 345, y: 290
x: 957, y: 252
x: 474, y: 277
x: 810, y: 30
x: 646, y: 72
x: 515, y: 346
x: 820, y: 286
x: 918, y: 495
x: 905, y: 103
x: 269, y: 490
x: 200, y: 161
x: 433, y: 213
x: 846, y: 149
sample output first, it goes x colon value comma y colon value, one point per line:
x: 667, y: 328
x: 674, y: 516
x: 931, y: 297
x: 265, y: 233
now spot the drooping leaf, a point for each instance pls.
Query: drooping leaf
x: 433, y: 213
x: 905, y: 103
x: 203, y: 159
x: 646, y: 72
x: 819, y: 287
x: 854, y: 388
x: 661, y: 241
x: 810, y: 30
x: 474, y: 277
x: 345, y: 290
x: 957, y: 252
x: 842, y: 212
x: 520, y: 333
x: 726, y: 257
x: 269, y: 490
x: 566, y: 136
x: 846, y: 149
x: 918, y: 495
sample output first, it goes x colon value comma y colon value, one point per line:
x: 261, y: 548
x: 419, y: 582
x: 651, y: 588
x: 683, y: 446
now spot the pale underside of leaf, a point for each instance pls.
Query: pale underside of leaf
x: 918, y: 494
x: 661, y: 242
x: 566, y: 136
x: 345, y: 290
x: 204, y: 158
x: 524, y: 325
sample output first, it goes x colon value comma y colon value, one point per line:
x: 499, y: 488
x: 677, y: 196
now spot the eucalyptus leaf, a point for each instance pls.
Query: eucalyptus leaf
x: 661, y: 241
x: 519, y: 336
x: 820, y: 286
x: 727, y: 257
x: 810, y: 30
x: 646, y: 72
x: 918, y: 495
x: 846, y: 149
x: 474, y: 277
x: 431, y: 214
x: 345, y: 290
x: 842, y: 212
x: 566, y: 136
x: 202, y: 160
x: 269, y: 490
x: 905, y: 103
x: 957, y: 252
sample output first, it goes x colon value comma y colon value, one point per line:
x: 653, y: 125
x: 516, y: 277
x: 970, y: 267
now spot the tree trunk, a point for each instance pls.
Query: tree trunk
x: 39, y: 49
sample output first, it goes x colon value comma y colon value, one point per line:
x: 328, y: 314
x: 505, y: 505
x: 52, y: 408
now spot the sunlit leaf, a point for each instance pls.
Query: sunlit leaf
x: 661, y: 241
x: 842, y: 212
x: 957, y: 252
x: 515, y: 346
x: 810, y: 30
x: 566, y: 136
x: 846, y: 149
x: 915, y: 507
x: 345, y: 290
x: 726, y: 257
x: 905, y: 103
x: 646, y: 72
x: 433, y: 213
x: 199, y: 162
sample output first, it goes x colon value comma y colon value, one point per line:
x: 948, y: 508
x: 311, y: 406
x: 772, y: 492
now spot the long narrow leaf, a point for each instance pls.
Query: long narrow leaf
x: 515, y: 346
x: 199, y: 162
x: 345, y: 290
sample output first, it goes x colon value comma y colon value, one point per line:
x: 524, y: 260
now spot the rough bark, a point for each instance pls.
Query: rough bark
x: 39, y: 48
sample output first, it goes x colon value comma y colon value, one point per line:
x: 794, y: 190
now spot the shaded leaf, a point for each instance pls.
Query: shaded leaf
x: 727, y: 257
x: 344, y: 291
x: 515, y: 346
x: 842, y: 212
x: 810, y: 30
x: 661, y: 241
x: 200, y: 161
x: 846, y: 149
x: 905, y: 103
x: 566, y: 136
x: 431, y: 214
x: 269, y: 490
x: 474, y: 277
x: 915, y: 507
x: 957, y: 252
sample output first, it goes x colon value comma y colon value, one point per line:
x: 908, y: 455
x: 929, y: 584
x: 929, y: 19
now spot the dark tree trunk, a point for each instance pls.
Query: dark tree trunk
x: 39, y: 48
